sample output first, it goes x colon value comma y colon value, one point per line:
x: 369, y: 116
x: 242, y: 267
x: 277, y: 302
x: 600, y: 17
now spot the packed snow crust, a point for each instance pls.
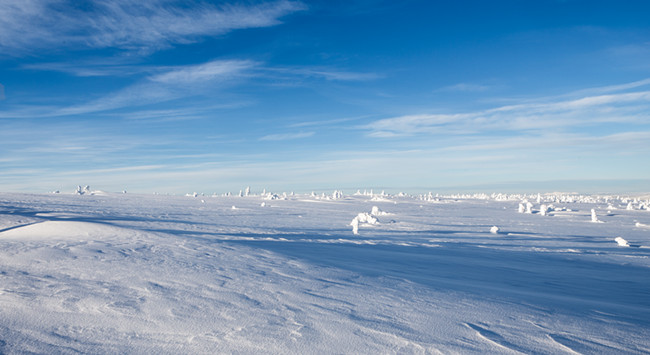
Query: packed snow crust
x: 128, y: 273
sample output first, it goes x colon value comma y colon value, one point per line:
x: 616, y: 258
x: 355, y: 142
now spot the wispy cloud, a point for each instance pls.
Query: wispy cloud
x: 304, y: 75
x: 326, y: 73
x: 324, y: 123
x: 188, y: 112
x: 127, y: 66
x: 286, y: 136
x: 467, y: 87
x: 127, y: 24
x: 630, y: 108
x: 613, y: 88
x: 166, y: 83
x: 95, y: 67
x: 206, y: 72
x: 169, y: 83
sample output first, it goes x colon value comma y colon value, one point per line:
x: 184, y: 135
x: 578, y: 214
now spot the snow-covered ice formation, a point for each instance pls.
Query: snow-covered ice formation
x: 366, y: 218
x: 363, y: 217
x: 529, y: 207
x: 594, y: 217
x: 376, y: 211
x: 355, y: 225
x: 621, y: 242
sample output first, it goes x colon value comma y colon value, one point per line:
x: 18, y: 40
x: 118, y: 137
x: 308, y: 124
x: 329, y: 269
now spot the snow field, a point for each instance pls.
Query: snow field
x: 163, y: 274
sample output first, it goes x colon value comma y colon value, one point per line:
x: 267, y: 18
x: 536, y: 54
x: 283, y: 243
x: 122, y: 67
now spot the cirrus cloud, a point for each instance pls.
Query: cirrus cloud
x: 144, y: 26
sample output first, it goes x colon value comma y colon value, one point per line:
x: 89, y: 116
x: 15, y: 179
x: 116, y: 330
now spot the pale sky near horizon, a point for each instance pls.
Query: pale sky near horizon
x: 212, y: 96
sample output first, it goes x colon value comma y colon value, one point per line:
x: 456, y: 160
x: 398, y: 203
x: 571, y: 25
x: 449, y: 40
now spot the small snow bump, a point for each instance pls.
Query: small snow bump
x: 621, y: 242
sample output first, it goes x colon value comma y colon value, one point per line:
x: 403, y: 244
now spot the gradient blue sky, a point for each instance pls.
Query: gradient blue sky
x: 181, y: 96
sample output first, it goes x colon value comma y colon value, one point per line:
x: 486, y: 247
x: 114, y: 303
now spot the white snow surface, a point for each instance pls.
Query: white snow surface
x: 128, y: 273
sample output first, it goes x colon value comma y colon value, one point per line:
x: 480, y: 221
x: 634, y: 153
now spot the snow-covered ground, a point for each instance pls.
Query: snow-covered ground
x: 123, y: 273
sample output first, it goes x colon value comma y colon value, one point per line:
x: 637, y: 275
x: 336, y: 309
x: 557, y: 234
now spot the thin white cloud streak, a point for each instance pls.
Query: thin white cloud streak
x: 325, y: 123
x: 94, y: 68
x: 632, y: 142
x: 287, y: 136
x: 190, y: 112
x: 613, y: 88
x: 166, y: 83
x: 328, y: 73
x: 126, y: 66
x: 631, y: 107
x: 126, y: 24
x: 206, y: 72
x: 466, y: 87
x: 297, y: 75
x: 127, y: 169
x: 174, y: 83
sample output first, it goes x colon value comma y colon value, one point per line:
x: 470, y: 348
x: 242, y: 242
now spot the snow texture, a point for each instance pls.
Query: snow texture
x: 153, y: 274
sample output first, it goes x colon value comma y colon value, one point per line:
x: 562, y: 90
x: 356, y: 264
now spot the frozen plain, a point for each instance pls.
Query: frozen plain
x: 126, y: 273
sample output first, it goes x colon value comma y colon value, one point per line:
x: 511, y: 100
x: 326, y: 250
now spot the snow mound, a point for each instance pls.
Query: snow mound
x: 621, y: 242
x: 65, y: 230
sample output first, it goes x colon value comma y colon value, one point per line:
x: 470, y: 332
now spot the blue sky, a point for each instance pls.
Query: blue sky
x: 181, y: 96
